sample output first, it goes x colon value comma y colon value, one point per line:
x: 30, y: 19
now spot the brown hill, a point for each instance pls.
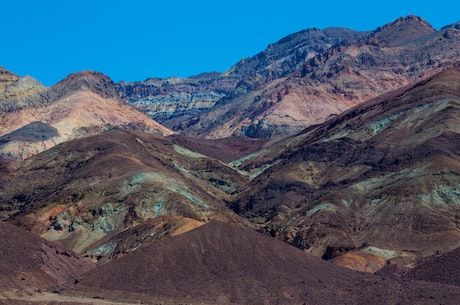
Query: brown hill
x: 29, y: 263
x: 83, y: 104
x: 219, y: 263
x: 377, y: 184
x: 443, y: 268
x: 80, y: 191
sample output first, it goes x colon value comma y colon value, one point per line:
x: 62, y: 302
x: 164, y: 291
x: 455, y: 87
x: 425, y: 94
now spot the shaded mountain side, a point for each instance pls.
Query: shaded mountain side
x: 223, y: 264
x: 378, y: 183
x: 33, y: 132
x: 287, y: 55
x: 29, y: 263
x: 83, y: 104
x: 80, y: 191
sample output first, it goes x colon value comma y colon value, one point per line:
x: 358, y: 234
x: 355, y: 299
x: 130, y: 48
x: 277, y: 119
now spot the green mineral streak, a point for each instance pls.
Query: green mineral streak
x: 185, y: 152
x: 138, y: 180
x: 387, y: 254
x: 380, y: 125
x: 291, y: 220
x: 321, y: 207
x: 445, y: 194
x: 158, y: 209
x: 104, y: 249
x: 262, y: 169
x: 237, y: 163
x: 187, y: 195
x: 338, y: 135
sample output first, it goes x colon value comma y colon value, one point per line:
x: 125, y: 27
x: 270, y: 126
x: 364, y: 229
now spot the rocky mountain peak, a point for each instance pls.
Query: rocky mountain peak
x: 89, y: 80
x: 6, y: 78
x: 452, y: 26
x: 402, y: 31
x: 24, y: 84
x: 14, y: 87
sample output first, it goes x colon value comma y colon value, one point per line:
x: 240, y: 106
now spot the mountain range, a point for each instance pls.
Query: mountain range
x: 323, y: 170
x: 303, y: 79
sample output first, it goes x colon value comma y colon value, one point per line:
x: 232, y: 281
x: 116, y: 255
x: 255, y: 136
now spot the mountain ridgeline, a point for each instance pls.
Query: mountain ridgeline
x: 301, y: 80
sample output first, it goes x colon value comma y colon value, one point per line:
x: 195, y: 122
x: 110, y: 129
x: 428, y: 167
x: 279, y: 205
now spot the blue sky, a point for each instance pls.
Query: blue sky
x: 136, y: 39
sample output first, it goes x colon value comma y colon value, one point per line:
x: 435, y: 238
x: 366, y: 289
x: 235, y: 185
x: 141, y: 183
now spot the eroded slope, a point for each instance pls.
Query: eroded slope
x: 80, y: 191
x: 377, y: 184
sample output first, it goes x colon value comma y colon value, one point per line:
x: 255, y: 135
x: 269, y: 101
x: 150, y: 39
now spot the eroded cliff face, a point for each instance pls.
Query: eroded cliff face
x: 174, y: 100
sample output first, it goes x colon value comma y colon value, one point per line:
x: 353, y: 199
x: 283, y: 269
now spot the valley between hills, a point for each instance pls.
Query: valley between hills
x: 323, y: 170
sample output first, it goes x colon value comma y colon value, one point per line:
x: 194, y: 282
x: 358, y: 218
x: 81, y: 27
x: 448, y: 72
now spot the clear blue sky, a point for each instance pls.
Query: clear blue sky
x: 136, y: 39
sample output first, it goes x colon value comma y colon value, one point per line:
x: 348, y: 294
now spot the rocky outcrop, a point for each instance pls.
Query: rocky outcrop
x: 6, y: 79
x: 402, y: 31
x: 16, y: 91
